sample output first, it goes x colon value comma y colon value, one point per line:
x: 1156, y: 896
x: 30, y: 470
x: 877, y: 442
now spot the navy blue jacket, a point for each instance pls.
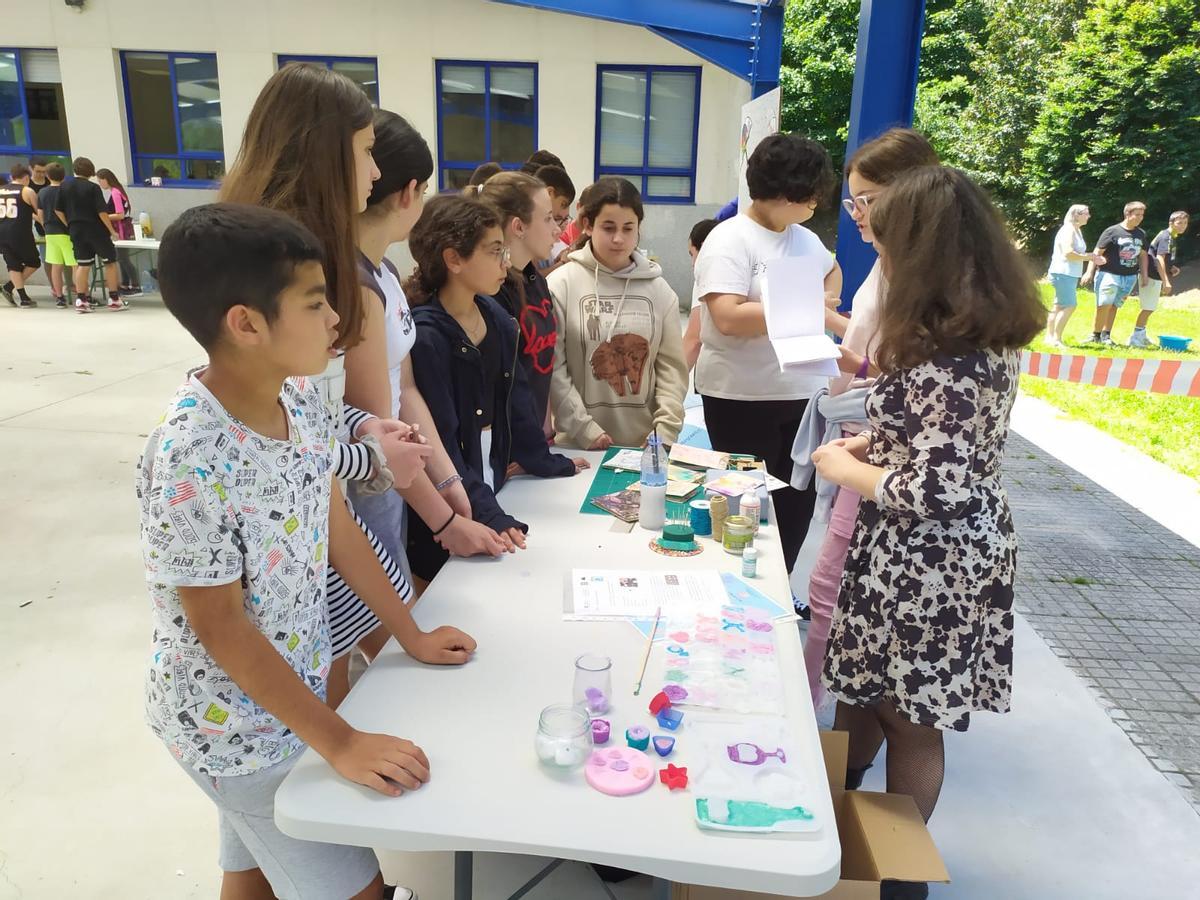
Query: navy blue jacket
x: 448, y: 370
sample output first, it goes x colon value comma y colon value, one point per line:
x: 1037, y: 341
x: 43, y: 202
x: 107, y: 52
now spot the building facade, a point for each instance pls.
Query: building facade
x: 160, y: 89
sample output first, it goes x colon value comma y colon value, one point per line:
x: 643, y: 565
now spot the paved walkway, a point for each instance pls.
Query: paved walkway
x: 1051, y: 802
x: 1117, y: 597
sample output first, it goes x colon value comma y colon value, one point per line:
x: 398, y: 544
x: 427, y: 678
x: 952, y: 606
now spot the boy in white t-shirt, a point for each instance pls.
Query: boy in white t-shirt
x: 240, y: 518
x: 749, y: 405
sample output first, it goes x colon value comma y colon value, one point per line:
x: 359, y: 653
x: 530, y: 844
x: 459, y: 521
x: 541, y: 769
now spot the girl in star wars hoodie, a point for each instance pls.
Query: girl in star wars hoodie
x: 619, y: 371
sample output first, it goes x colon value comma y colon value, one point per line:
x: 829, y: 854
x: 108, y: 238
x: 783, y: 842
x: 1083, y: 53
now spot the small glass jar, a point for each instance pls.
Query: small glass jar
x: 593, y: 683
x: 738, y: 535
x: 564, y: 736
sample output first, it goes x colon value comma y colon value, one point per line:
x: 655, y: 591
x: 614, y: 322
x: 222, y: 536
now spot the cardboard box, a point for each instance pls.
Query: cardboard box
x: 882, y: 835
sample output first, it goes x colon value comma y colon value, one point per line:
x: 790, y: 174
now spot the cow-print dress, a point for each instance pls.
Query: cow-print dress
x: 924, y: 616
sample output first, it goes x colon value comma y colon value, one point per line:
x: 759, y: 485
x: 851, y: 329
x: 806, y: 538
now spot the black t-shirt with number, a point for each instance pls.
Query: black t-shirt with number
x: 16, y: 216
x: 81, y: 201
x: 1122, y: 247
x: 1163, y: 246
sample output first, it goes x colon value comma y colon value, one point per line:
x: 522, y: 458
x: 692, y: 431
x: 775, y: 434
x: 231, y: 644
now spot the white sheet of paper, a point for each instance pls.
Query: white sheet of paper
x: 825, y: 368
x: 608, y: 594
x: 625, y: 460
x: 794, y: 297
x: 793, y: 301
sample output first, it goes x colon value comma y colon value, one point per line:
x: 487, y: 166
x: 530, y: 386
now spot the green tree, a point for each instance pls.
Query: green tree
x: 1121, y: 120
x: 817, y: 76
x: 1009, y: 74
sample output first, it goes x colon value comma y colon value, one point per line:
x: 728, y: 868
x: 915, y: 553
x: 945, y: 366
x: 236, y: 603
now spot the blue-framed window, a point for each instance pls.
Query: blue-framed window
x: 173, y: 103
x: 362, y: 70
x: 647, y: 119
x: 33, y: 120
x: 486, y: 112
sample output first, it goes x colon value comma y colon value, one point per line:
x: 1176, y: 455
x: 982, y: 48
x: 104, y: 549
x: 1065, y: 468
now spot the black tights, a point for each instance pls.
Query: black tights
x: 916, y: 758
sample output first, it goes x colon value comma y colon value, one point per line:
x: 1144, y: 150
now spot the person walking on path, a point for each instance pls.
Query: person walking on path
x: 1160, y: 269
x: 1066, y: 268
x: 1124, y: 249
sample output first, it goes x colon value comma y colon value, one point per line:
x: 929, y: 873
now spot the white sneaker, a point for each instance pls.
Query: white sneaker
x: 1054, y: 343
x: 1139, y: 339
x: 81, y: 305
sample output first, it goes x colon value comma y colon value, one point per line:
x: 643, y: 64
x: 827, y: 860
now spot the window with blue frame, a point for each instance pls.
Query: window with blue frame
x: 647, y: 119
x: 173, y: 103
x: 487, y: 112
x: 362, y: 70
x: 33, y: 121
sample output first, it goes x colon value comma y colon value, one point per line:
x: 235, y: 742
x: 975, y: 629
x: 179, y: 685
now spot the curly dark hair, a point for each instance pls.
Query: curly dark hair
x: 956, y: 283
x: 790, y: 167
x: 448, y: 222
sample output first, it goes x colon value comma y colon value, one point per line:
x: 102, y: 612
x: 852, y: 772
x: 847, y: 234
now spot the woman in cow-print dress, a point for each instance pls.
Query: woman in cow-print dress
x: 924, y: 616
x: 923, y: 631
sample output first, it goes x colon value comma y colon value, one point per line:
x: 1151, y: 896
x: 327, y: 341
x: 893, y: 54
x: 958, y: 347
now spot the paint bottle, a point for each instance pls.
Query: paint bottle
x: 750, y: 562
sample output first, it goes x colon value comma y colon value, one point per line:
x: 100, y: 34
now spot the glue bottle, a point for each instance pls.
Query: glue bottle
x: 751, y: 507
x: 652, y: 506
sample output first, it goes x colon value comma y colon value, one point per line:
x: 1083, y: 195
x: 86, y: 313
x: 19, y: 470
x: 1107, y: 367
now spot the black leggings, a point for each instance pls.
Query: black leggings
x: 767, y: 428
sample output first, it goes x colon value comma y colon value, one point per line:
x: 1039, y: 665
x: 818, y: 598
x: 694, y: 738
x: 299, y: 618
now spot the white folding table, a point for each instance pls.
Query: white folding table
x: 487, y: 791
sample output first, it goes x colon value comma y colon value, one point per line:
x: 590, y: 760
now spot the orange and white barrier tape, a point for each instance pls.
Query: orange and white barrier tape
x: 1159, y: 376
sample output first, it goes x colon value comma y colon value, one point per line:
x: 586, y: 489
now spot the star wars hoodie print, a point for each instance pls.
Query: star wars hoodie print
x: 618, y: 360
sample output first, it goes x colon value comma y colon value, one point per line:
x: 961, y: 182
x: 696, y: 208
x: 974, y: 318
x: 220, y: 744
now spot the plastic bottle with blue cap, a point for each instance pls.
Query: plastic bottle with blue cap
x: 652, y: 506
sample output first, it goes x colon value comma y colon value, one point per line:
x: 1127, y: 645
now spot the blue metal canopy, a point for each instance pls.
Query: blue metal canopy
x: 744, y: 37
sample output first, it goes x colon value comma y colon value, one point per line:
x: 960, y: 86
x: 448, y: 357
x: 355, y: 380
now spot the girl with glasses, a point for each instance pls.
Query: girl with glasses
x: 466, y: 365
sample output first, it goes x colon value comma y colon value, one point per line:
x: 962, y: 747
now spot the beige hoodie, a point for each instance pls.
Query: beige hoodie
x: 618, y: 361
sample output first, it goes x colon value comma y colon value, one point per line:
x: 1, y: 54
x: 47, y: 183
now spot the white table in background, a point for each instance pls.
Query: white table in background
x: 488, y: 792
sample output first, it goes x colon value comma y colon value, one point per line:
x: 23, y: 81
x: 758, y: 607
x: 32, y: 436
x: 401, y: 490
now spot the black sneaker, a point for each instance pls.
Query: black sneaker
x: 9, y: 295
x: 60, y: 302
x: 27, y: 303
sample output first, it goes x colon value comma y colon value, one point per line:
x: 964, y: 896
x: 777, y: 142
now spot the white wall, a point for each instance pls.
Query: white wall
x: 405, y: 36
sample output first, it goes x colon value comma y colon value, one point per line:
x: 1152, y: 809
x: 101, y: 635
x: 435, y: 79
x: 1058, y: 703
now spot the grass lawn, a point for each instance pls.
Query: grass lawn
x: 1166, y: 428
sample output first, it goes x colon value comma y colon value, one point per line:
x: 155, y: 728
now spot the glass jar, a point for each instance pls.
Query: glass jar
x: 593, y: 683
x: 564, y: 736
x: 738, y: 535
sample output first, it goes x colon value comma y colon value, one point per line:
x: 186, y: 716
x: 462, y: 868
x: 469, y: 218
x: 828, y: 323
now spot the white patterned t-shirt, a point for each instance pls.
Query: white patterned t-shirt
x: 220, y: 504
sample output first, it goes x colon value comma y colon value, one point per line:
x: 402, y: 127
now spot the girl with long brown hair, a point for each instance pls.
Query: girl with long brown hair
x: 869, y: 171
x: 379, y: 368
x: 527, y: 220
x: 309, y: 120
x: 923, y: 631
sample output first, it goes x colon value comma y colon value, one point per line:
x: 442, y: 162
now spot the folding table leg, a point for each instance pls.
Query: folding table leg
x: 661, y: 889
x: 463, y: 875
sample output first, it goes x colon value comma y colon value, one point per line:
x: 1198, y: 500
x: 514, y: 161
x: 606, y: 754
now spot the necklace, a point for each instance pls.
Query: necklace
x: 477, y: 330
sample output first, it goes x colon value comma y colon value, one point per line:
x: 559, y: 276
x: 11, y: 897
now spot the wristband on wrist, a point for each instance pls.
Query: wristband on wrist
x: 453, y: 479
x: 862, y: 369
x: 453, y: 516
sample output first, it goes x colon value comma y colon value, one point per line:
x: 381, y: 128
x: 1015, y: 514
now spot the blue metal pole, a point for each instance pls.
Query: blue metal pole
x: 885, y: 89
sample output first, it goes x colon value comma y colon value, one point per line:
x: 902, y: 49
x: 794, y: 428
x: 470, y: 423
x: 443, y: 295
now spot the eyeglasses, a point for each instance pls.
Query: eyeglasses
x: 561, y: 221
x: 503, y: 256
x: 862, y: 203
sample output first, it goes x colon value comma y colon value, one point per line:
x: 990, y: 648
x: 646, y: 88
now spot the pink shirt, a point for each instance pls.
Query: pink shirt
x: 862, y: 336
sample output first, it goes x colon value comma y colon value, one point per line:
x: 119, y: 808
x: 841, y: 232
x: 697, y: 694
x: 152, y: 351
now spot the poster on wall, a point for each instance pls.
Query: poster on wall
x: 760, y: 117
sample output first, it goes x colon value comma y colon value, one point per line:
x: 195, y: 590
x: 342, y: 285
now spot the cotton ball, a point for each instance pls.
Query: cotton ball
x: 568, y: 755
